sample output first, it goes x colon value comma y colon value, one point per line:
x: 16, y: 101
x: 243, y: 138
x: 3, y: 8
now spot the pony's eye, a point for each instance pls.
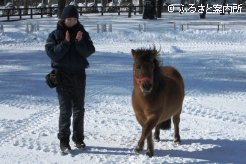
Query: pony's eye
x: 138, y: 66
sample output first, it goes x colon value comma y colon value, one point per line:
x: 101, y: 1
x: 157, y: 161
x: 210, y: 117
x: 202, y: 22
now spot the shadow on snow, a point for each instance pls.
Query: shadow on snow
x: 223, y: 151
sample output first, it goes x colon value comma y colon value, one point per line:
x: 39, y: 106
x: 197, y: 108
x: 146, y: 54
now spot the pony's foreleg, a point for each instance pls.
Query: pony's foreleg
x: 150, y: 145
x: 146, y: 130
x: 141, y: 120
x: 176, y: 120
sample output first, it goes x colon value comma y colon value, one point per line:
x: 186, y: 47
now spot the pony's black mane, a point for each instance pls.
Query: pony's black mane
x: 146, y: 54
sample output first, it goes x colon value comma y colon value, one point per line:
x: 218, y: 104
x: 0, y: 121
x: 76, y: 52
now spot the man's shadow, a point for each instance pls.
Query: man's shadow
x: 217, y: 151
x: 103, y: 151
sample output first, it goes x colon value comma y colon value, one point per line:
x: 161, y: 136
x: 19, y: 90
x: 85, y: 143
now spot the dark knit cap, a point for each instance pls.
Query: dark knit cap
x: 70, y: 11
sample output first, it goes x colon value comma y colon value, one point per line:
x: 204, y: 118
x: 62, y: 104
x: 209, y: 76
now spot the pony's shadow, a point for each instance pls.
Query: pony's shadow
x: 103, y: 151
x: 223, y: 151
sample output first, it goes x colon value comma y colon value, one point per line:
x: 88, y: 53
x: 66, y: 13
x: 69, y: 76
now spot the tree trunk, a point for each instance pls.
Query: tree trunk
x: 25, y: 12
x: 75, y: 3
x: 141, y: 6
x: 224, y: 4
x: 159, y: 8
x: 181, y: 10
x: 149, y: 9
x: 130, y: 7
x: 44, y: 2
x: 203, y: 3
x: 104, y: 3
x: 61, y: 6
x: 17, y: 3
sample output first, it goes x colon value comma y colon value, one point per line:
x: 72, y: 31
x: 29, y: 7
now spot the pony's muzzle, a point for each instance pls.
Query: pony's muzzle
x: 146, y: 86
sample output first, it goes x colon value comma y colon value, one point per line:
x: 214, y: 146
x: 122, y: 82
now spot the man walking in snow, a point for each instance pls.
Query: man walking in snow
x: 68, y: 47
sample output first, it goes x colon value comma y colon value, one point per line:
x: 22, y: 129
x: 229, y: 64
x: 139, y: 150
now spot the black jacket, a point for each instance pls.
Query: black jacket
x: 70, y: 56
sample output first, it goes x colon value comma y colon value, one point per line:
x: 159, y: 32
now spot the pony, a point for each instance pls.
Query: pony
x: 157, y: 96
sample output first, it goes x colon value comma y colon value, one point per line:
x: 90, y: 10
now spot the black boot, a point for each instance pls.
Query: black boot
x: 65, y: 147
x: 80, y: 144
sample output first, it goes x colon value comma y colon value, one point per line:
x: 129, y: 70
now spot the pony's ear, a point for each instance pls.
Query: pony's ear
x: 155, y: 52
x: 133, y: 52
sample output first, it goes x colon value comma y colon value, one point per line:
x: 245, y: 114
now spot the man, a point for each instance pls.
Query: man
x: 68, y: 47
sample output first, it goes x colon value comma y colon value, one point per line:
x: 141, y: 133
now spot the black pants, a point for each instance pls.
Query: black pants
x: 71, y: 94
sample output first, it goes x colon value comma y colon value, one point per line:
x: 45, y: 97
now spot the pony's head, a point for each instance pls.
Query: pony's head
x: 144, y: 65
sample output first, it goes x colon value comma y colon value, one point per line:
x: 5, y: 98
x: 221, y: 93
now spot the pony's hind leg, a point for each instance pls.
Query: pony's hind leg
x: 157, y: 134
x: 176, y: 120
x: 165, y: 125
x: 150, y: 145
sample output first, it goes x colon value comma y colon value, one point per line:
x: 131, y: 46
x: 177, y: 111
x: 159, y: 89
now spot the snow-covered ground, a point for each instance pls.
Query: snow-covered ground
x: 212, y: 63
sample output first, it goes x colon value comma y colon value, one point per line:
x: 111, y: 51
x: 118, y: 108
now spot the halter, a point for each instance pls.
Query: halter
x: 140, y: 79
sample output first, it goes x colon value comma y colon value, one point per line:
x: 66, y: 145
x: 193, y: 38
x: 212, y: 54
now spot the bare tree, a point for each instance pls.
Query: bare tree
x: 44, y: 2
x: 130, y: 5
x: 149, y: 9
x: 203, y: 14
x: 159, y: 8
x: 25, y: 6
x: 104, y: 3
x: 61, y: 6
x: 240, y: 1
x: 181, y: 10
x: 224, y: 3
x: 141, y: 6
x: 75, y: 2
x: 17, y: 3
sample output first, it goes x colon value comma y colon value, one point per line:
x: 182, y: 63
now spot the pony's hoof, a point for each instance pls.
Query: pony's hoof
x: 138, y: 150
x: 157, y: 138
x: 177, y: 140
x: 150, y: 153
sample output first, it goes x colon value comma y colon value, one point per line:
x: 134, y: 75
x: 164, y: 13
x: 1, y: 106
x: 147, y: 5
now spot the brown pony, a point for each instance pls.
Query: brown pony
x: 157, y: 96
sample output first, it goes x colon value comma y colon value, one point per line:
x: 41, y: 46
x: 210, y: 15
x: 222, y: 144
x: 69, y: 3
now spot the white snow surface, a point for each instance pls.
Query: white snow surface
x: 212, y: 63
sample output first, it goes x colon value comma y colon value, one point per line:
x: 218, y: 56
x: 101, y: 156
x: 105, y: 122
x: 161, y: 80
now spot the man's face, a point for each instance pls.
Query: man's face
x: 70, y: 22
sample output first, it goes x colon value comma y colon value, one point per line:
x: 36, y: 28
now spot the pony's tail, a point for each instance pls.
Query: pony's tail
x: 166, y: 125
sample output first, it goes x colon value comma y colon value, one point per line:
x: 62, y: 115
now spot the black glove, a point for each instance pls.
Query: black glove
x: 51, y: 79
